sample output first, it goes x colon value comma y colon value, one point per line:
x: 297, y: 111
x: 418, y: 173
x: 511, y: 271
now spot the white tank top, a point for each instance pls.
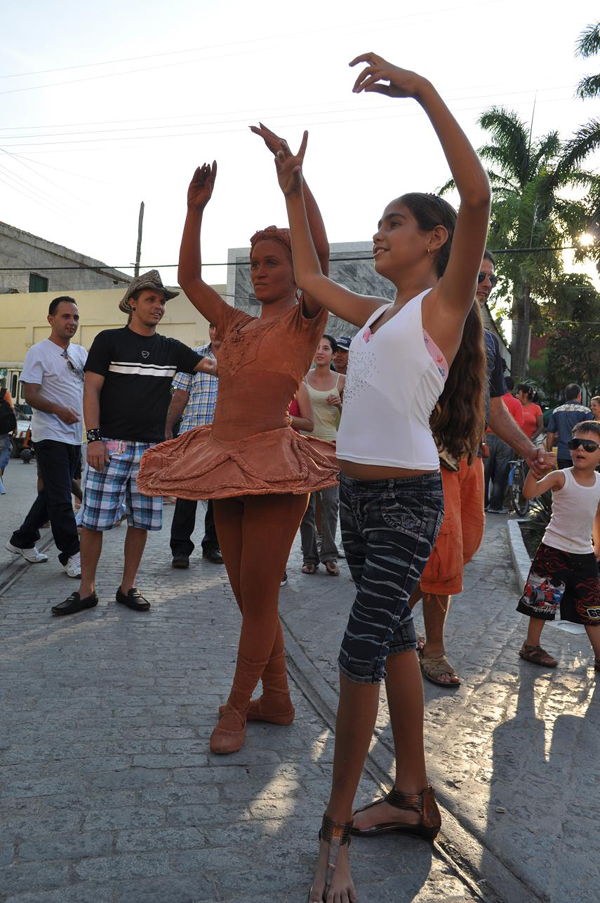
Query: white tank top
x: 574, y: 508
x: 392, y: 385
x: 326, y: 416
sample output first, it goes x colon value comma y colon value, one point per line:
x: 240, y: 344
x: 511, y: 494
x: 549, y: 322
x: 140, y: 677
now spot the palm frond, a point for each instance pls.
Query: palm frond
x: 588, y: 87
x: 585, y: 140
x: 588, y: 42
x: 448, y: 186
x: 511, y: 140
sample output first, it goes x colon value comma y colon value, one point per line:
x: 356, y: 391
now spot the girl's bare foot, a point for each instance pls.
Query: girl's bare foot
x: 341, y: 889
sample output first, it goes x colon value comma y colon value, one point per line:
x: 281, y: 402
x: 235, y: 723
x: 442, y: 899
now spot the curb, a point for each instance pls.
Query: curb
x: 518, y: 551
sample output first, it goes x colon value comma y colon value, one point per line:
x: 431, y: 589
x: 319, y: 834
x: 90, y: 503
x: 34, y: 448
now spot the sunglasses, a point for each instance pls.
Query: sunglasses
x: 491, y: 276
x: 78, y: 371
x: 587, y: 445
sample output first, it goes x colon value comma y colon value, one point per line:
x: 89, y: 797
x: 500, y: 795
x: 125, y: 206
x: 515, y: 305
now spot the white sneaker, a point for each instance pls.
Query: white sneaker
x: 33, y: 556
x: 73, y: 566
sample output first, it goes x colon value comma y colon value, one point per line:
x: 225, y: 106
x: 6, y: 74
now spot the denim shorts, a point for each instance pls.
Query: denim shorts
x: 105, y: 491
x: 389, y: 528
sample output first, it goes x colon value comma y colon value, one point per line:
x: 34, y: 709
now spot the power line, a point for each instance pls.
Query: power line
x: 236, y: 263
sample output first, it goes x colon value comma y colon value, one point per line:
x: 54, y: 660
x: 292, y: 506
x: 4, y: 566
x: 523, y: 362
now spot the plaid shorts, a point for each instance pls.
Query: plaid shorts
x: 104, y: 492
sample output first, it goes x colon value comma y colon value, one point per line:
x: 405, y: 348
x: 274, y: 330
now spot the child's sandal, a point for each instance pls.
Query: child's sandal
x: 337, y: 834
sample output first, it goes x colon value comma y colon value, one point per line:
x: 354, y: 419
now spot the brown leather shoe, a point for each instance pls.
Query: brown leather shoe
x: 424, y: 803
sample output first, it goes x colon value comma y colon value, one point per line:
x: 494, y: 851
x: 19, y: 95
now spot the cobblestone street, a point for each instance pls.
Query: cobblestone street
x: 109, y: 793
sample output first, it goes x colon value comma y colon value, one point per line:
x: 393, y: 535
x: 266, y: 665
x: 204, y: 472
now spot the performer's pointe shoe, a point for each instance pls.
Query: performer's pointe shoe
x: 270, y: 710
x: 230, y: 733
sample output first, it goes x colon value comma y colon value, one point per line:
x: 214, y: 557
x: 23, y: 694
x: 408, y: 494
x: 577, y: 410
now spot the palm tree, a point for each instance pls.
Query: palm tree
x: 530, y: 211
x: 588, y: 44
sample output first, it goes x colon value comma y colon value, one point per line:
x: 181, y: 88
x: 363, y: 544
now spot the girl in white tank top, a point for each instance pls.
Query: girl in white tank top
x: 390, y: 487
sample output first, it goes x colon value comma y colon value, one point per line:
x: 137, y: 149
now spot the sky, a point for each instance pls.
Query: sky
x: 109, y: 104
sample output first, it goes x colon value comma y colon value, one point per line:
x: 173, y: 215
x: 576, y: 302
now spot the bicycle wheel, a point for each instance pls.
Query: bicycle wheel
x: 518, y: 501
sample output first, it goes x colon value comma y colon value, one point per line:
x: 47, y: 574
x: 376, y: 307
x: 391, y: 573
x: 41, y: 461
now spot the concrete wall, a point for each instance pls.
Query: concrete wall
x: 34, y: 254
x: 23, y: 320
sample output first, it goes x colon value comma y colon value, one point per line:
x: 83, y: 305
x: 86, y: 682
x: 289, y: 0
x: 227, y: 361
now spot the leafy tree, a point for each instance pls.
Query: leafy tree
x: 533, y: 208
x: 573, y: 349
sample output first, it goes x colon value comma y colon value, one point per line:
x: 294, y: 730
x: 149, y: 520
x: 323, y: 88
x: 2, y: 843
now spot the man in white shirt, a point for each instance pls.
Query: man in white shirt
x: 52, y: 380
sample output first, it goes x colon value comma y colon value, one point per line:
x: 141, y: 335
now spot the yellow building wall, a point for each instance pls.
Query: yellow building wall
x: 23, y: 320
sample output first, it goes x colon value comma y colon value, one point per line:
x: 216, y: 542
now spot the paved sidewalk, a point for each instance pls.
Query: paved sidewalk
x: 513, y: 752
x: 108, y: 793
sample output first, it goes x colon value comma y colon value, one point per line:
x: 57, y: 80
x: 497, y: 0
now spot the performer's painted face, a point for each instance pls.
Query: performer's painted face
x: 271, y: 271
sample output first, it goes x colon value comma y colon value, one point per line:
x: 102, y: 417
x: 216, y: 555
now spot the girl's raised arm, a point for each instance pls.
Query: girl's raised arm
x: 456, y: 288
x: 203, y: 296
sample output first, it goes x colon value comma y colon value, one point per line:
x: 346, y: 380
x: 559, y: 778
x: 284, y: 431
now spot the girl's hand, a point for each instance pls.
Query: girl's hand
x: 334, y: 400
x: 289, y: 166
x: 402, y: 82
x: 272, y: 140
x: 201, y: 186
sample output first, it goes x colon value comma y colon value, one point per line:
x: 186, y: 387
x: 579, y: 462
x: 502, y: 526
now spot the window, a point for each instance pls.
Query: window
x: 37, y: 283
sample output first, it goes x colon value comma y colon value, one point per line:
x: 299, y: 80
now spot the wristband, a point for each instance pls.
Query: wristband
x: 93, y: 436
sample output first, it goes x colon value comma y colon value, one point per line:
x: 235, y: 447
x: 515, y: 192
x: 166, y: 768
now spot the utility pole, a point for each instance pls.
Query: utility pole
x: 138, y: 252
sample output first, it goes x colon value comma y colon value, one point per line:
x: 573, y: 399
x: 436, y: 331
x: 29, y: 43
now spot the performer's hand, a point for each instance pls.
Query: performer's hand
x: 402, y: 82
x: 272, y: 140
x: 201, y: 186
x: 97, y: 455
x: 289, y: 166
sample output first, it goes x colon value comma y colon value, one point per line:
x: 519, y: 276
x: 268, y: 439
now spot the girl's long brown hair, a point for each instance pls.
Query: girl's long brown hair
x: 458, y: 420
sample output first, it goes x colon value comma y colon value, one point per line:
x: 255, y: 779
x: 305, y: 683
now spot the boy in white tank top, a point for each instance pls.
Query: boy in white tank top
x: 564, y: 572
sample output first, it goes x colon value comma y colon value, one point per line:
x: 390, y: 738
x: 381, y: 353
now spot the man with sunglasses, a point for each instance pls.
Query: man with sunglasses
x: 464, y: 521
x: 52, y: 380
x: 562, y: 421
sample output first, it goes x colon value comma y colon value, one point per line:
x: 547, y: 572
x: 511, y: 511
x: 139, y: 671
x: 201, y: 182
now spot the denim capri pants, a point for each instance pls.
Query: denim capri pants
x: 389, y: 528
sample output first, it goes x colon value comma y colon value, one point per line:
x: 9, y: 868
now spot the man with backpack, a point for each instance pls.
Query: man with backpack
x: 8, y: 423
x: 52, y: 380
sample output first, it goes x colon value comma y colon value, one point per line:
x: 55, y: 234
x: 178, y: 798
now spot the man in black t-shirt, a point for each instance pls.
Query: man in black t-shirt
x: 128, y: 378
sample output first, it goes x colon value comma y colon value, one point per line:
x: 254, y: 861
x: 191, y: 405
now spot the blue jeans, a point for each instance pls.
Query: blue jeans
x: 389, y: 528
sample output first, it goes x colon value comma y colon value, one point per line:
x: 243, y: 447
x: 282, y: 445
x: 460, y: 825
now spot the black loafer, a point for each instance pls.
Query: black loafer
x: 133, y: 599
x: 180, y: 561
x: 75, y: 603
x: 213, y: 555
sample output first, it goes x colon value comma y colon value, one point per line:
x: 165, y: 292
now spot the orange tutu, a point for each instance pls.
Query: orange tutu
x: 198, y: 466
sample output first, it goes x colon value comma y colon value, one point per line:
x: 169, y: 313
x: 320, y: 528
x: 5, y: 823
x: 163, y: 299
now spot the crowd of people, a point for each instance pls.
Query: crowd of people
x: 275, y: 440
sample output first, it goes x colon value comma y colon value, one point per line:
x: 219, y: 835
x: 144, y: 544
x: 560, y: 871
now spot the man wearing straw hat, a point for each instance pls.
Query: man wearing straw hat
x: 128, y: 378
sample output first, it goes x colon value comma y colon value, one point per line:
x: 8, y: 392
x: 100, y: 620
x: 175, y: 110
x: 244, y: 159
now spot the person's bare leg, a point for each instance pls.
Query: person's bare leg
x: 534, y: 631
x: 594, y: 637
x: 404, y: 689
x: 435, y: 612
x: 135, y: 543
x: 357, y: 712
x: 91, y: 547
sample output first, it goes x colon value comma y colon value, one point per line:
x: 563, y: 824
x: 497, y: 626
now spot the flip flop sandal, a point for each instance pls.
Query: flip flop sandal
x: 332, y: 568
x: 537, y: 656
x: 309, y: 568
x: 432, y: 668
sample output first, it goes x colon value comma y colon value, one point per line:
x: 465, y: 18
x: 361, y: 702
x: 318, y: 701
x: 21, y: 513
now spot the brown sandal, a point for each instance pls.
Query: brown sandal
x: 309, y: 568
x: 424, y: 803
x: 332, y: 568
x: 432, y: 668
x: 537, y: 656
x: 336, y: 834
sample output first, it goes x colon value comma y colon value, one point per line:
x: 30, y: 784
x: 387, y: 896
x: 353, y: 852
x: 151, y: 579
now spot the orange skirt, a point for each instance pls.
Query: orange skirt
x: 198, y: 466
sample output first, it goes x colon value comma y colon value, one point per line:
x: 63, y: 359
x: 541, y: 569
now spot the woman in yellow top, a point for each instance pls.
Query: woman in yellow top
x: 325, y: 388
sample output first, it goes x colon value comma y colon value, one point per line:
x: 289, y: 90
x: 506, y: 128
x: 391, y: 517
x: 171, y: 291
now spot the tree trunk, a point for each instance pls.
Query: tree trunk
x: 521, y: 329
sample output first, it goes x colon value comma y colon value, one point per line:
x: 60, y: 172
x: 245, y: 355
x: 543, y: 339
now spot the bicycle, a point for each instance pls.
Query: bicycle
x: 516, y: 480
